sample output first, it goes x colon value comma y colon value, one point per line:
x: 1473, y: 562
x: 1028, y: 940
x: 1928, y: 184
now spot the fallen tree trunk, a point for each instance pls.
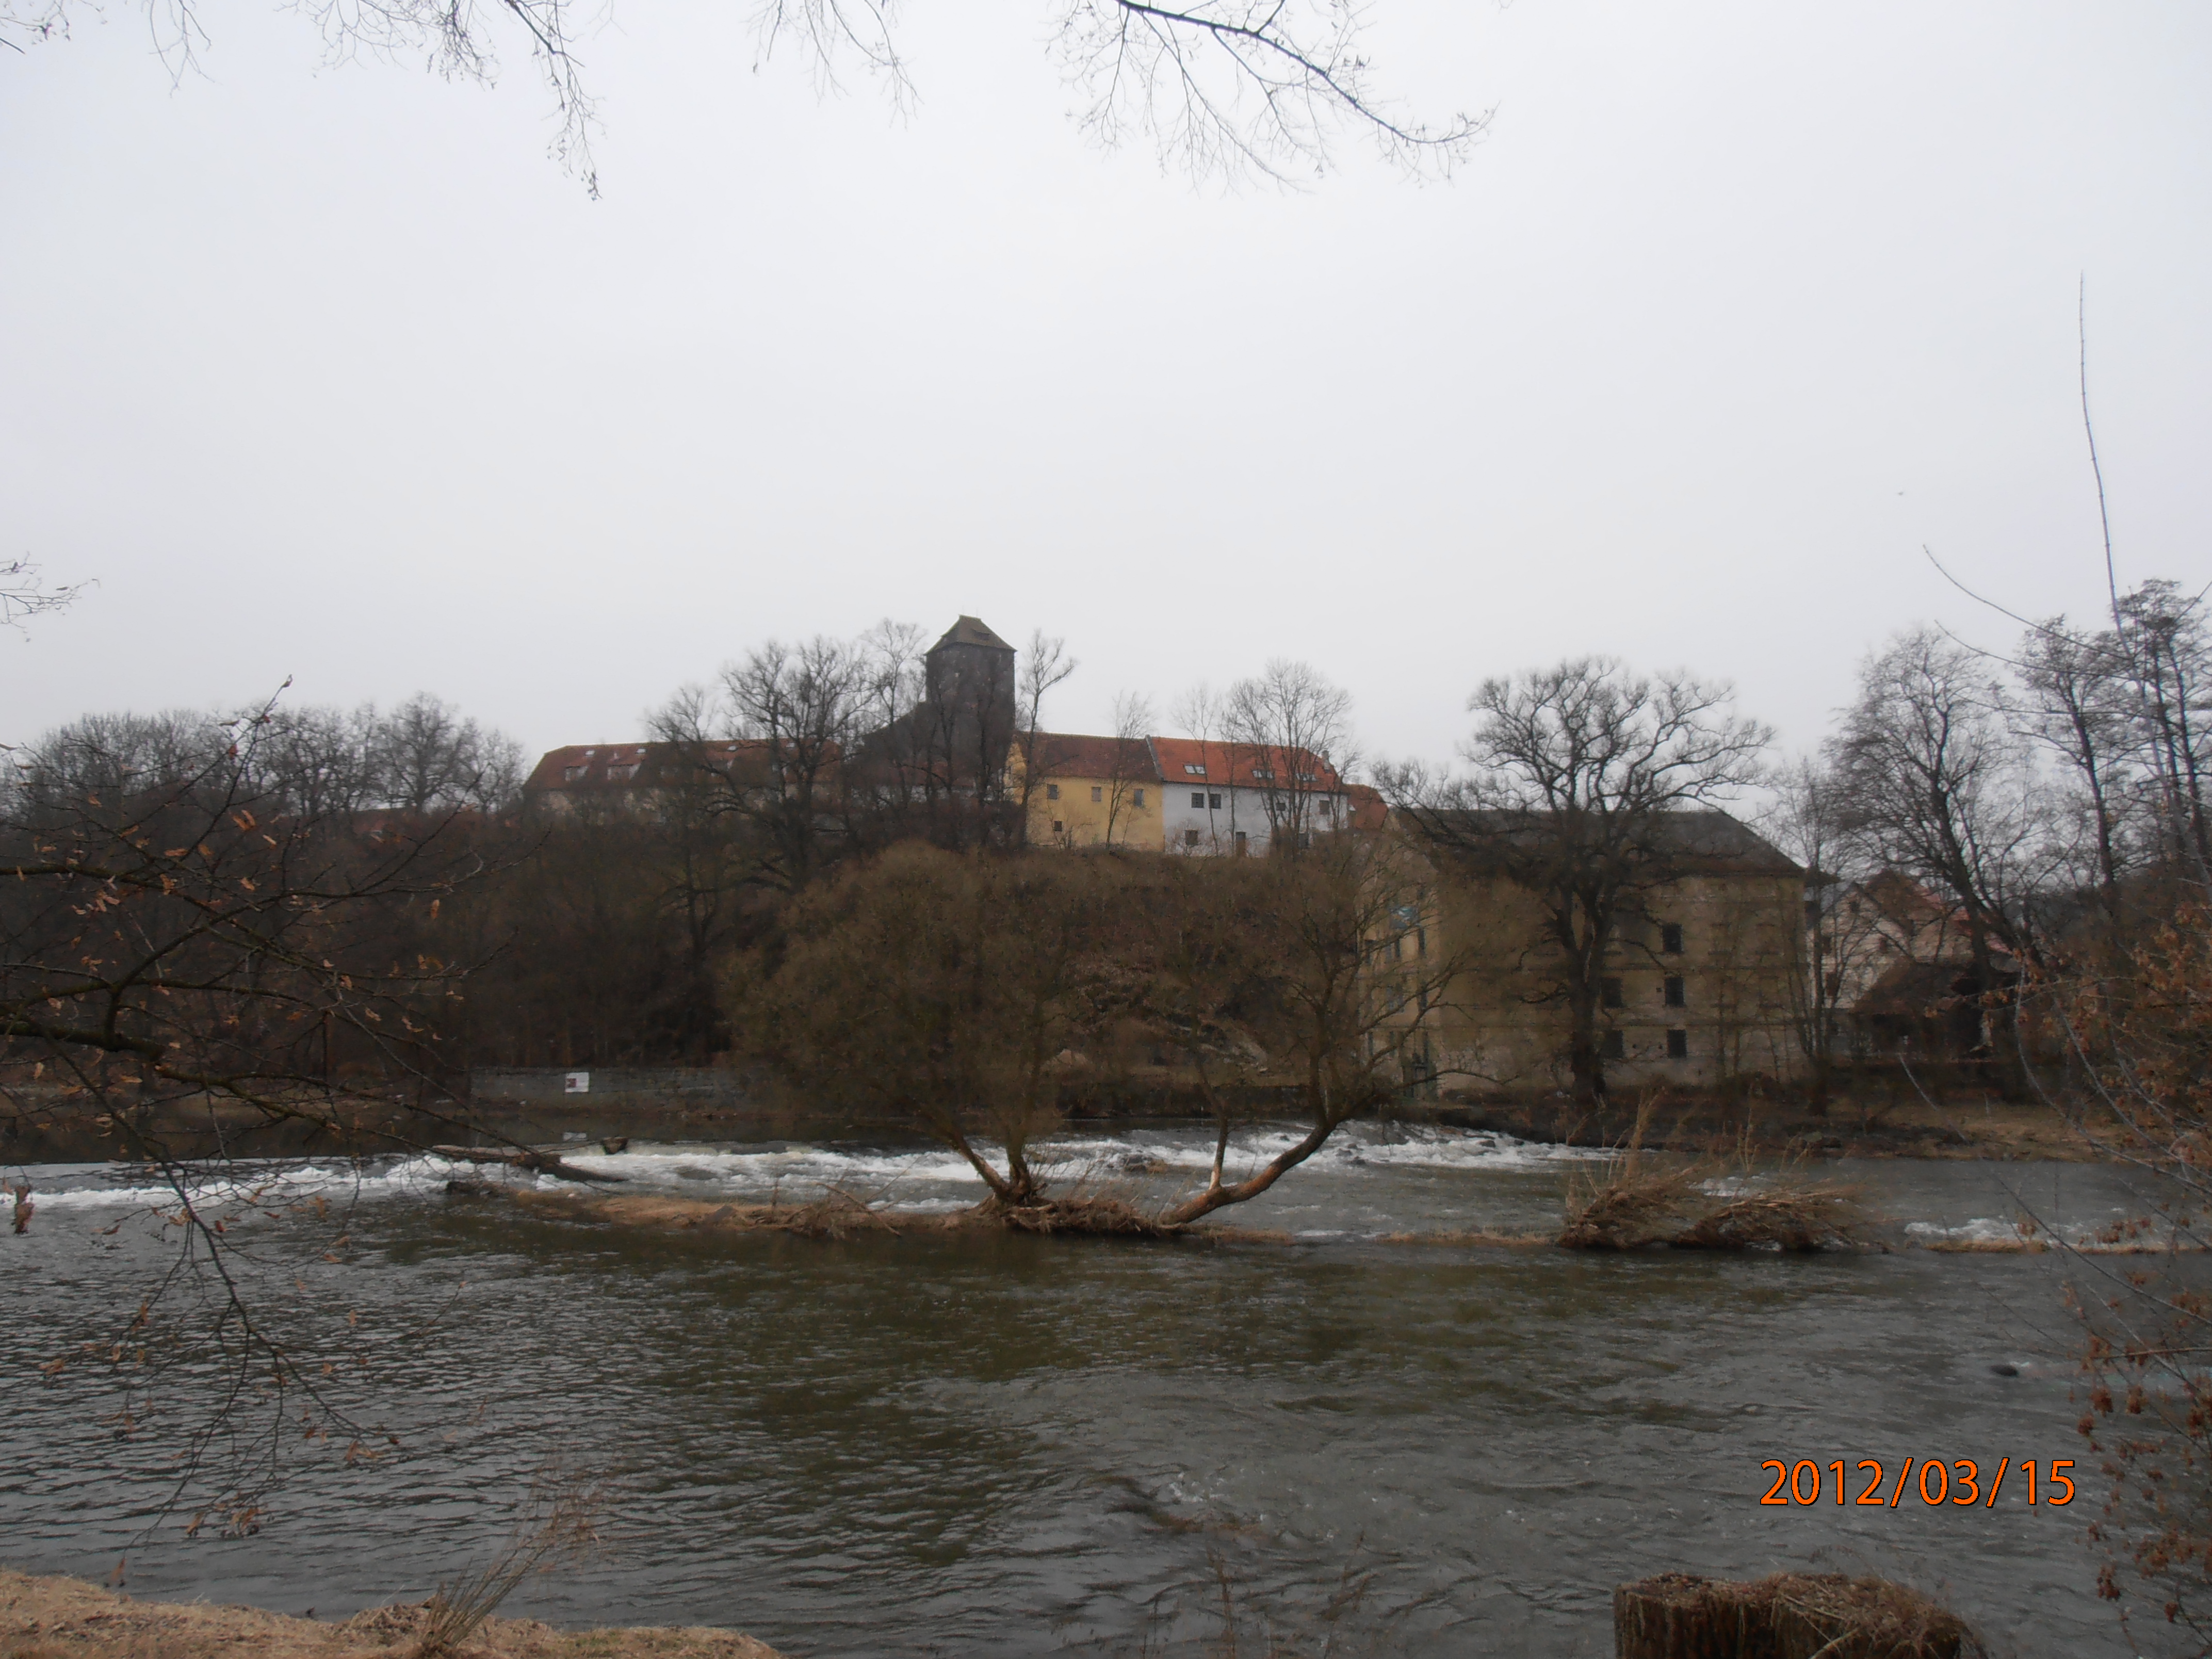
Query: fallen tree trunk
x: 523, y: 1157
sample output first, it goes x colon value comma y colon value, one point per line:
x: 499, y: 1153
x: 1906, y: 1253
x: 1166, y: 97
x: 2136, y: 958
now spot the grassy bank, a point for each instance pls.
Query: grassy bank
x: 69, y: 1619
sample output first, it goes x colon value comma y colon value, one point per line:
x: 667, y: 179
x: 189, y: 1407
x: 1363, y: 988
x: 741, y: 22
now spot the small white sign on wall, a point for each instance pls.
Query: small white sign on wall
x: 579, y: 1083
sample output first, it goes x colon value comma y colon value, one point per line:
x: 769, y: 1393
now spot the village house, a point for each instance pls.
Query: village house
x: 1237, y: 798
x: 1696, y: 989
x: 614, y: 774
x: 1899, y: 966
x: 1088, y: 792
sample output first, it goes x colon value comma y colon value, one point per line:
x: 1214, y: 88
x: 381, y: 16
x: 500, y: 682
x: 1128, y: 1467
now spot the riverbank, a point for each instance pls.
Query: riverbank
x: 69, y: 1619
x: 1882, y: 1127
x: 837, y: 1215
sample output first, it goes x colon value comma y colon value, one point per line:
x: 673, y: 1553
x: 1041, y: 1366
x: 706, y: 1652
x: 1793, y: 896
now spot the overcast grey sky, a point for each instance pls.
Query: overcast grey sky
x: 331, y: 373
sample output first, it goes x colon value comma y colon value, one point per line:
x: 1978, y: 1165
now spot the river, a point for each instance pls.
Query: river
x: 1003, y: 1446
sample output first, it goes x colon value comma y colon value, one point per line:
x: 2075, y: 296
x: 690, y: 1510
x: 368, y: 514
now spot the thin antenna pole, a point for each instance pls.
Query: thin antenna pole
x: 2104, y: 516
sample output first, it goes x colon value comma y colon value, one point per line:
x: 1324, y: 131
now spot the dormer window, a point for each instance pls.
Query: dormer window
x: 1263, y: 775
x: 622, y: 773
x: 1193, y: 770
x: 572, y: 773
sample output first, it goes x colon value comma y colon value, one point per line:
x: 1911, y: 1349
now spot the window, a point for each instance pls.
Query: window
x: 1420, y: 941
x: 1612, y: 1045
x: 1674, y: 991
x: 1198, y: 797
x: 1670, y: 938
x: 1263, y: 775
x: 622, y: 773
x: 1240, y: 844
x: 1608, y: 992
x: 570, y: 774
x: 1212, y: 802
x: 1678, y: 1045
x: 1190, y: 837
x: 1140, y: 798
x: 1098, y: 791
x: 1058, y: 828
x: 1052, y: 791
x: 1194, y: 771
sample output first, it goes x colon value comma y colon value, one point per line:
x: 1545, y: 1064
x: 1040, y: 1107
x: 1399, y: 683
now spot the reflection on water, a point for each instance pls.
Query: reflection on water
x: 1003, y: 1446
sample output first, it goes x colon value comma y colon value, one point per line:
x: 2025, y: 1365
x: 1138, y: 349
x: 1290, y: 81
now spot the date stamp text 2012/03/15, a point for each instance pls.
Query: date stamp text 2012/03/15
x: 1956, y: 1482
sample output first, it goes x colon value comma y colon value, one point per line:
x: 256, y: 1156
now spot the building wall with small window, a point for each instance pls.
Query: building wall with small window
x: 1697, y: 989
x: 1089, y: 792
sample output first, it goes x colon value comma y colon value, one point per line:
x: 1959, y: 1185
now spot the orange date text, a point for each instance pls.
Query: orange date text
x: 1957, y: 1482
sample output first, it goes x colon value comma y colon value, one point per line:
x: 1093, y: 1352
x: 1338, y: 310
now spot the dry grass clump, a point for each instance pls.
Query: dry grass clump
x: 836, y: 1214
x: 1790, y: 1615
x: 1099, y: 1212
x: 1789, y: 1215
x: 1636, y: 1201
x: 1633, y: 1201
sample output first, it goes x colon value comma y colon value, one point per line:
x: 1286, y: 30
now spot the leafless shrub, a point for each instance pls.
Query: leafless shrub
x: 558, y: 1528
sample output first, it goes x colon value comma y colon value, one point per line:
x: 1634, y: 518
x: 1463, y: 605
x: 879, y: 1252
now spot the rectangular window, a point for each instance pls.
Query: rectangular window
x: 1098, y: 791
x: 1240, y: 843
x: 1052, y: 791
x: 1670, y: 938
x: 1194, y: 771
x: 622, y: 773
x: 1675, y: 998
x: 1198, y: 797
x: 1190, y: 837
x: 1611, y: 1044
x: 1609, y: 994
x: 1678, y: 1045
x: 1058, y: 828
x: 1140, y: 798
x: 1420, y: 941
x: 1213, y: 802
x: 571, y: 774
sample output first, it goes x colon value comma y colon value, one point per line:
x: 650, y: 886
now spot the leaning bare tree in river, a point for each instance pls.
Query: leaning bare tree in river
x: 971, y: 995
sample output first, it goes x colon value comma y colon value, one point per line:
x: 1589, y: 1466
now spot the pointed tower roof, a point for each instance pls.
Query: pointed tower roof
x: 971, y: 631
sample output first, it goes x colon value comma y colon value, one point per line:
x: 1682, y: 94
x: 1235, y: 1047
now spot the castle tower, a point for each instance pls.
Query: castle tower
x: 970, y: 673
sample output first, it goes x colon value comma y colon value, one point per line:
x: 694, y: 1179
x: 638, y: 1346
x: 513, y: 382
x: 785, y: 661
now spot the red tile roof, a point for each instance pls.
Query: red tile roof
x: 1068, y: 755
x: 583, y: 767
x: 1243, y: 765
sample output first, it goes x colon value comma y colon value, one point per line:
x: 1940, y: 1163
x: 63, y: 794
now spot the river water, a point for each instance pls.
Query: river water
x: 1002, y: 1446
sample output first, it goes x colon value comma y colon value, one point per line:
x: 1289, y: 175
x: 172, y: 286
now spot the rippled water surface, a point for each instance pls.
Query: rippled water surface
x: 1005, y: 1446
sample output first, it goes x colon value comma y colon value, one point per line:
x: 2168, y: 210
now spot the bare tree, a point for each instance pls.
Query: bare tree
x: 1045, y: 667
x: 1131, y: 765
x: 769, y: 749
x: 1580, y: 774
x: 429, y: 758
x: 2161, y: 638
x: 2077, y: 705
x: 1291, y: 729
x: 937, y: 990
x: 1291, y: 971
x: 1938, y: 785
x: 25, y: 594
x: 192, y: 968
x: 1218, y: 87
x: 1839, y: 940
